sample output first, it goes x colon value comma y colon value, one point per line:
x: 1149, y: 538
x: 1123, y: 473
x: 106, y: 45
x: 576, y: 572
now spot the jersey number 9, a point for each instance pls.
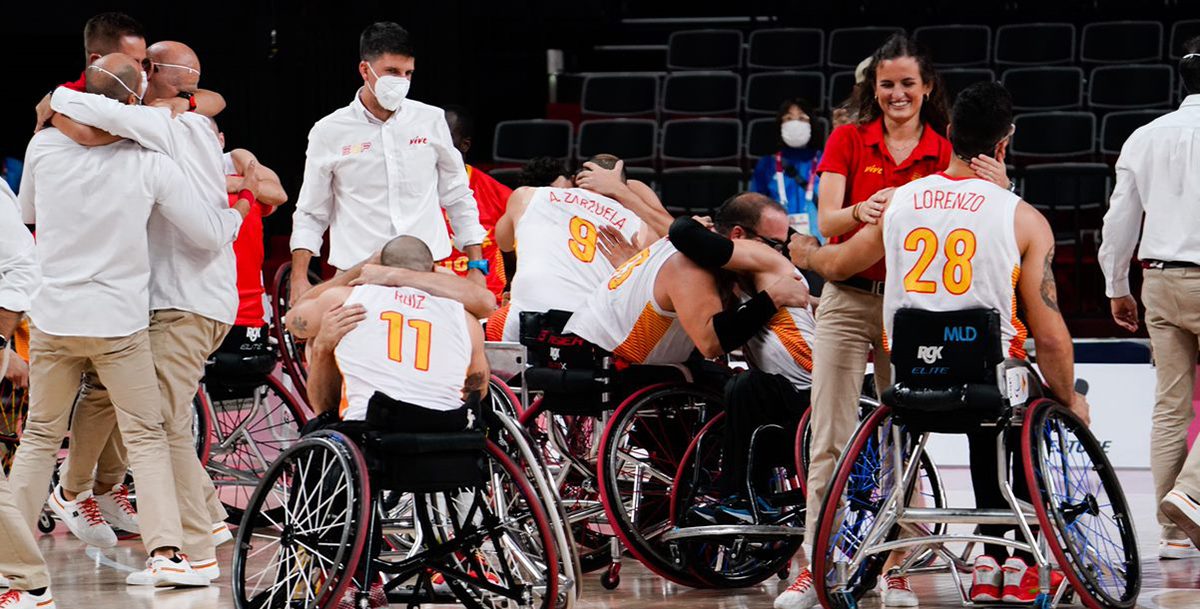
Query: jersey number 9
x: 583, y: 239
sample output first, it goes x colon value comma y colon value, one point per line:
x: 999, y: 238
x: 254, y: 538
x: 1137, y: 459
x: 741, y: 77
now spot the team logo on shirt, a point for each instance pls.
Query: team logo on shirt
x: 418, y: 140
x: 355, y: 148
x: 875, y: 169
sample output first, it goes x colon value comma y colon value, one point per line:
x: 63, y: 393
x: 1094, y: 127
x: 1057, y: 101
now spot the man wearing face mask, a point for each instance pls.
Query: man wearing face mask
x: 381, y: 167
x: 789, y: 175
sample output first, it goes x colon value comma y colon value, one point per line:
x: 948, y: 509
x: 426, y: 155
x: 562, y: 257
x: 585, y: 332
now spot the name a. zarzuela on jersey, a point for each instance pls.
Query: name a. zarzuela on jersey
x: 590, y: 205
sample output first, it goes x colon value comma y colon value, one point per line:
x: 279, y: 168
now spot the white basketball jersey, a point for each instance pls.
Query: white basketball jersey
x: 558, y: 262
x: 621, y: 315
x: 951, y: 244
x: 412, y: 347
x: 784, y: 346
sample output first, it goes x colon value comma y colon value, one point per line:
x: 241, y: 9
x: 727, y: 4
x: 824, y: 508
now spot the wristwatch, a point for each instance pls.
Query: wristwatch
x: 3, y: 342
x: 480, y: 265
x: 191, y: 99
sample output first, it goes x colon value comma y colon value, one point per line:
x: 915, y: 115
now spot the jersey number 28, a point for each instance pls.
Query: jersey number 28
x: 956, y: 274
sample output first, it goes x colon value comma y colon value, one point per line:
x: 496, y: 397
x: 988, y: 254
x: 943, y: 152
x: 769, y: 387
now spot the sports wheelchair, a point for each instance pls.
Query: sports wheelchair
x: 453, y: 506
x: 292, y: 352
x: 951, y: 378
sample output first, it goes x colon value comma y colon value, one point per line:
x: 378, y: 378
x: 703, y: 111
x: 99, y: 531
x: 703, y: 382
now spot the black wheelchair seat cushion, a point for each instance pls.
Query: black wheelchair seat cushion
x: 400, y: 444
x: 960, y: 409
x: 549, y: 345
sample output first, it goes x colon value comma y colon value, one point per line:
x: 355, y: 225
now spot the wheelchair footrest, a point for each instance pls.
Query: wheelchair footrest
x: 733, y: 530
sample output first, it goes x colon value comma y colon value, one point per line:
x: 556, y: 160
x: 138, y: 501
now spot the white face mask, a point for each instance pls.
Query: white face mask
x: 119, y: 81
x: 145, y: 84
x: 796, y: 133
x: 389, y: 90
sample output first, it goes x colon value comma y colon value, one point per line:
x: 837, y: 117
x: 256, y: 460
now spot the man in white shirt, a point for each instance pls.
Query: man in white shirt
x: 193, y: 293
x: 21, y: 565
x: 379, y: 168
x: 1156, y: 177
x: 92, y: 207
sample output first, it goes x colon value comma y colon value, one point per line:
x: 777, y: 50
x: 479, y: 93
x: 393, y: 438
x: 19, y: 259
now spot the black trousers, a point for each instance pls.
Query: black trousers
x: 984, y: 481
x: 755, y: 398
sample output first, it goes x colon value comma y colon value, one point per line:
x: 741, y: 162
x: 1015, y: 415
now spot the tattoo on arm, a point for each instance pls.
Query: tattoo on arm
x: 297, y: 322
x: 1049, y: 290
x: 475, y: 382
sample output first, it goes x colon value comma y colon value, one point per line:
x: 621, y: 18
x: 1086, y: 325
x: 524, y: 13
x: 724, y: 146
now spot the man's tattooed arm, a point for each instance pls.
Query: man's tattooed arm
x: 475, y: 382
x: 1049, y: 290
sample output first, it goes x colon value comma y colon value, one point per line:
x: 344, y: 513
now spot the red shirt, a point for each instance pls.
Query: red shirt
x: 492, y: 197
x: 249, y: 251
x: 859, y: 153
x: 78, y: 85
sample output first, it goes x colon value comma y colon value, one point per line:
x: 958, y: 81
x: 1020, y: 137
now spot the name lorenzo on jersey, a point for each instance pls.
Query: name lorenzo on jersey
x: 590, y: 205
x: 941, y: 199
x: 416, y: 301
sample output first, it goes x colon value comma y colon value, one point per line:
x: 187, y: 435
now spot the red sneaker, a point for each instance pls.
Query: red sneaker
x: 1021, y: 581
x: 375, y: 598
x: 986, y: 580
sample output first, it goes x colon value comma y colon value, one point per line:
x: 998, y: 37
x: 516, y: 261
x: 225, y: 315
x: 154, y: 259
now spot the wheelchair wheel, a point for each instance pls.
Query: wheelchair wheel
x: 320, y: 489
x: 294, y: 363
x: 501, y: 538
x: 640, y: 452
x: 246, y: 434
x: 804, y: 448
x: 863, y: 479
x: 1081, y: 508
x: 201, y: 424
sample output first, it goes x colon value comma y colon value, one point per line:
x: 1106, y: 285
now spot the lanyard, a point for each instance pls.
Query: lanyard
x: 779, y: 179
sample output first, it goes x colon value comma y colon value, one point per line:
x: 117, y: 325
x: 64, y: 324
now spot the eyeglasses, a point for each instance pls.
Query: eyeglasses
x: 778, y: 246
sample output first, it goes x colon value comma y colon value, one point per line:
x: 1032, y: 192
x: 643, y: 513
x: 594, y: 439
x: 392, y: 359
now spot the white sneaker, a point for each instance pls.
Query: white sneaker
x: 83, y: 517
x: 1184, y: 511
x: 800, y: 595
x: 21, y: 599
x: 986, y: 580
x: 896, y: 591
x: 208, y: 568
x: 221, y: 534
x: 162, y: 572
x: 1171, y: 549
x: 4, y: 583
x: 117, y: 510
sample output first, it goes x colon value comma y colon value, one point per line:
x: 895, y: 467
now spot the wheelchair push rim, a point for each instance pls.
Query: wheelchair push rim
x: 291, y: 352
x: 1082, y: 510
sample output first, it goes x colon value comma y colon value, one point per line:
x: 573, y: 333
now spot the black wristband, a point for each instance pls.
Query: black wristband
x: 735, y: 327
x: 704, y: 247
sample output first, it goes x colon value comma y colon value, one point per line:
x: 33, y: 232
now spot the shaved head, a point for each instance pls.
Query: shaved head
x: 407, y: 252
x: 176, y: 68
x: 115, y: 76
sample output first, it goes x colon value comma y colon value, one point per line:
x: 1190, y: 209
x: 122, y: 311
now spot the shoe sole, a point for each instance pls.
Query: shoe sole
x: 1181, y: 519
x: 199, y: 581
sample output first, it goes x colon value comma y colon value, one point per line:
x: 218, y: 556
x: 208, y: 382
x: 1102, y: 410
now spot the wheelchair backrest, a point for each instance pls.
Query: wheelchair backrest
x: 542, y: 333
x: 941, y: 349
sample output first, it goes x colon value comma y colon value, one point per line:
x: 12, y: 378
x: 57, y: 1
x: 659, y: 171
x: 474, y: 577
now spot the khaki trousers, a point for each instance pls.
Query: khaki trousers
x: 849, y: 326
x: 126, y: 366
x: 1172, y: 299
x: 92, y: 415
x: 21, y: 561
x: 181, y: 342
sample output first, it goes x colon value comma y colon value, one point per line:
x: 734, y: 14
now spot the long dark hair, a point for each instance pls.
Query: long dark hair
x: 933, y: 110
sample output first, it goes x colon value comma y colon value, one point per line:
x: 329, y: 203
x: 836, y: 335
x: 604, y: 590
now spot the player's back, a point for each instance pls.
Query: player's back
x: 411, y: 346
x: 951, y: 245
x: 558, y: 261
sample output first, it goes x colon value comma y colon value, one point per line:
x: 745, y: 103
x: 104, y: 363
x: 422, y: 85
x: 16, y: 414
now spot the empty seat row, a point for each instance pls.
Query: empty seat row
x: 1048, y: 135
x: 1028, y: 44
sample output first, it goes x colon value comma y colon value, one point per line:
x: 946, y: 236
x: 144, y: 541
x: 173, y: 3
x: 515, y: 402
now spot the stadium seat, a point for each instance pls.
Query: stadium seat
x: 1121, y: 42
x: 841, y: 84
x: 1116, y: 127
x: 620, y: 95
x: 1057, y: 88
x: 633, y: 140
x: 1181, y: 32
x: 1049, y: 135
x: 762, y: 136
x: 520, y: 141
x: 766, y: 90
x: 698, y: 141
x: 956, y: 45
x: 708, y: 93
x: 958, y: 79
x: 698, y: 190
x: 625, y: 58
x: 786, y: 49
x: 849, y: 46
x: 704, y: 50
x: 1132, y: 86
x: 1035, y: 44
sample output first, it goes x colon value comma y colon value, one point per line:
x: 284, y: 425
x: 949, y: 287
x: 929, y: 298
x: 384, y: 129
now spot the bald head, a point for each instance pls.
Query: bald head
x: 176, y: 69
x: 754, y: 211
x: 407, y: 252
x: 115, y: 76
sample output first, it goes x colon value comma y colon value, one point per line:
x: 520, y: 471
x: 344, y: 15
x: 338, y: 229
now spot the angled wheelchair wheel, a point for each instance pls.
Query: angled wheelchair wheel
x: 292, y: 352
x: 843, y: 566
x: 304, y: 559
x: 1081, y: 508
x: 640, y: 452
x: 501, y: 547
x: 804, y: 448
x: 246, y: 433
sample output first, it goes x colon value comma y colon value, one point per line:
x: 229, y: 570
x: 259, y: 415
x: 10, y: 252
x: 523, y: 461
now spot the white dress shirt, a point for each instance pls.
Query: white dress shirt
x: 368, y: 180
x: 91, y: 207
x: 182, y: 276
x: 19, y: 274
x: 1157, y: 173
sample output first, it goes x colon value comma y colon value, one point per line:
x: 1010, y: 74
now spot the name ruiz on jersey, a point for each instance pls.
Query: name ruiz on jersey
x: 416, y: 301
x: 567, y: 197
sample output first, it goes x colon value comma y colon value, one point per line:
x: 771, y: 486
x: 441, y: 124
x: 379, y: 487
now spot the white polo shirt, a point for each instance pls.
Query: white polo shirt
x: 91, y: 206
x: 368, y: 180
x: 19, y: 273
x: 182, y: 275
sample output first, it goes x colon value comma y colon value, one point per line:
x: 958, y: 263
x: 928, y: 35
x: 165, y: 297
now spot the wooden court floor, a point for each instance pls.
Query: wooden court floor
x: 85, y: 578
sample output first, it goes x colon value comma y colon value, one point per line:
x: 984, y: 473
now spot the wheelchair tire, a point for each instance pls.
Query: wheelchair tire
x: 640, y: 452
x: 323, y: 469
x: 201, y: 438
x: 292, y: 352
x: 245, y: 437
x: 1081, y: 508
x: 851, y: 504
x: 804, y: 448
